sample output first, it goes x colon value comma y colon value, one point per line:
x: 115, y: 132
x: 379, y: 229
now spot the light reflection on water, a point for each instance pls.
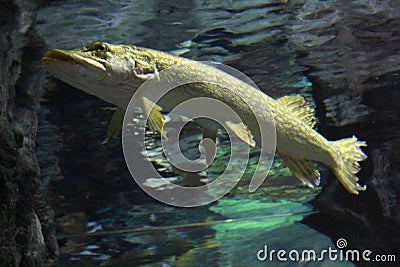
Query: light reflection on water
x: 98, y: 233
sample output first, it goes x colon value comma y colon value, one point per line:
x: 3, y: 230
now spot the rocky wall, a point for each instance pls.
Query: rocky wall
x: 27, y: 236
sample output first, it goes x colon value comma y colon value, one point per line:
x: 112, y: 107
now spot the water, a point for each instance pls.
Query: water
x: 102, y: 217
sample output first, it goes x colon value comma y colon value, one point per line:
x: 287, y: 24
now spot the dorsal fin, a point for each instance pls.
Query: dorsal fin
x: 299, y: 107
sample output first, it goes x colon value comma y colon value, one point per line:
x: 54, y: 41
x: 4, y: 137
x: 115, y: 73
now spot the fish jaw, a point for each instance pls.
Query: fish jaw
x: 75, y: 57
x: 110, y: 72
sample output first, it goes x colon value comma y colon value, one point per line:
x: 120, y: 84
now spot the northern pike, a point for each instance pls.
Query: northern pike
x: 115, y: 72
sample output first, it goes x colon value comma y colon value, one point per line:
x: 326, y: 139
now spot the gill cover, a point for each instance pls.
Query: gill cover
x: 145, y: 66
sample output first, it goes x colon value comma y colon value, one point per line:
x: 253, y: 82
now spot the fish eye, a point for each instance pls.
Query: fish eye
x: 102, y: 47
x: 96, y: 47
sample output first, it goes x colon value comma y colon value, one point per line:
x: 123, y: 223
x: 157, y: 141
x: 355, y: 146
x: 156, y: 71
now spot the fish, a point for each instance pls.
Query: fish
x: 114, y: 73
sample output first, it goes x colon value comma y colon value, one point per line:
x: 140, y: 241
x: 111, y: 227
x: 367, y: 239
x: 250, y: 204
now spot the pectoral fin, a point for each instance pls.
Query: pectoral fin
x: 115, y: 125
x: 210, y: 133
x: 242, y: 132
x: 155, y: 119
x: 304, y: 170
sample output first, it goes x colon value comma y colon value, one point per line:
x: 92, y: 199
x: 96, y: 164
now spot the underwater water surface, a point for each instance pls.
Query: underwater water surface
x: 102, y: 217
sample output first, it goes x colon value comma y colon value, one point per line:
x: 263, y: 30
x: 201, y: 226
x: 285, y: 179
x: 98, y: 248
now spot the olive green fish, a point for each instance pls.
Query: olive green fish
x: 115, y: 72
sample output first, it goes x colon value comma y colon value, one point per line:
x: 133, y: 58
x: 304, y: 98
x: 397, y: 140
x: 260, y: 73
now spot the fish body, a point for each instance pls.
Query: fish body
x: 115, y: 72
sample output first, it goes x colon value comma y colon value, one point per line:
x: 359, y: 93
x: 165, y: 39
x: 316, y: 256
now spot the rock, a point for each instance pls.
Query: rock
x: 27, y: 236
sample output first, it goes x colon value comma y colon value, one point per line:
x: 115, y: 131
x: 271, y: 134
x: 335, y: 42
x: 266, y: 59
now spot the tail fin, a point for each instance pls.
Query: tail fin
x: 347, y: 155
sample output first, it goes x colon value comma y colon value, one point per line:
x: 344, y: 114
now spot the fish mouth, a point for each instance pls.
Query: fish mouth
x: 75, y: 57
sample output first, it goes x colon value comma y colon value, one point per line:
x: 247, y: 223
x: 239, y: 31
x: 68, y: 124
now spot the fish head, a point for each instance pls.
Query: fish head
x: 110, y: 72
